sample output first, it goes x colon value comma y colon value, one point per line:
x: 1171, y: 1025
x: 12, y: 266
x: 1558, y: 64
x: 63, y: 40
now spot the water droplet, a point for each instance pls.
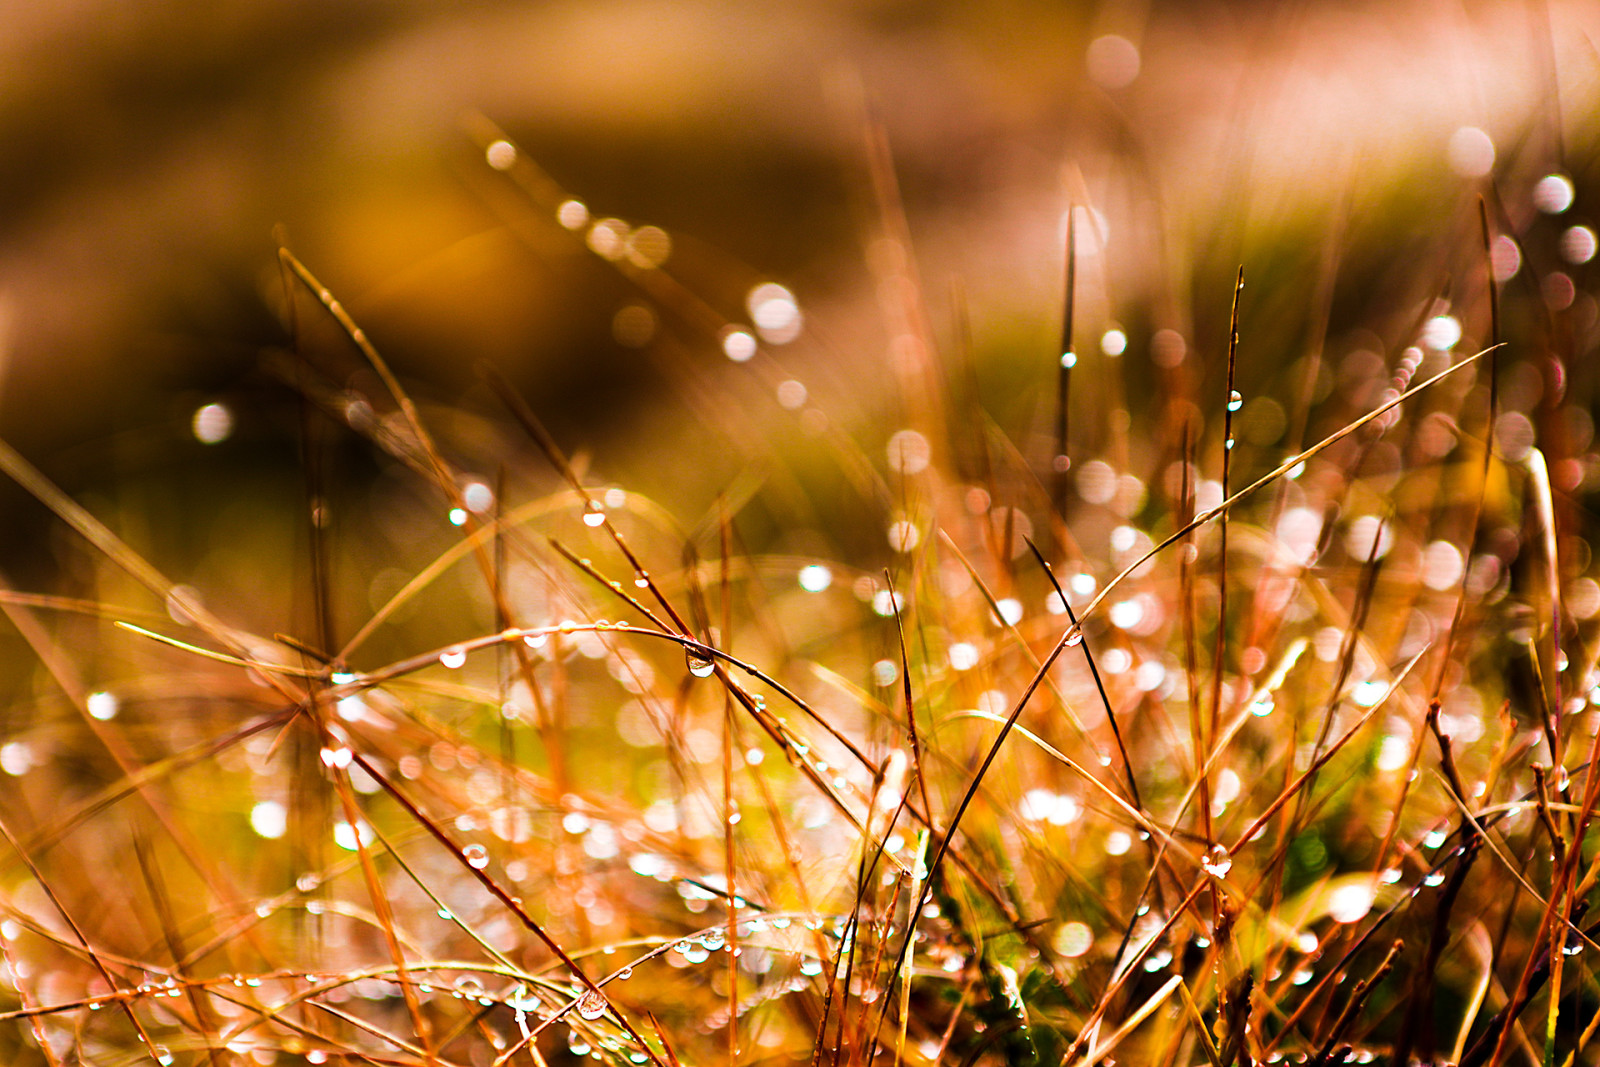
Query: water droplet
x: 814, y: 577
x: 700, y: 664
x: 811, y: 967
x: 1075, y: 637
x: 592, y: 1004
x: 1434, y: 879
x: 714, y: 938
x: 212, y: 424
x: 1069, y: 360
x: 501, y: 155
x: 102, y: 705
x: 1553, y: 194
x: 738, y: 345
x: 1235, y: 401
x: 572, y: 214
x: 625, y: 974
x: 1263, y: 706
x: 594, y: 518
x: 477, y: 856
x: 1218, y: 863
x: 453, y: 657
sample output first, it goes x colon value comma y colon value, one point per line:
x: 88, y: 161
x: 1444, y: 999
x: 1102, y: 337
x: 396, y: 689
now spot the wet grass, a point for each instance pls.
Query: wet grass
x: 1227, y: 719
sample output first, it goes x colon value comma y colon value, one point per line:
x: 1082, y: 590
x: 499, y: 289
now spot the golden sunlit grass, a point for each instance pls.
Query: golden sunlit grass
x: 1256, y: 731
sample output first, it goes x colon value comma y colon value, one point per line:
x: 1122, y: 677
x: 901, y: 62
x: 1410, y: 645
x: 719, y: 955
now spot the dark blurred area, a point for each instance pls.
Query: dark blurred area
x: 151, y: 152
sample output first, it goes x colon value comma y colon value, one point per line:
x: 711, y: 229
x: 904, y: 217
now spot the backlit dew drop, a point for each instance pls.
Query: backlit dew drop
x: 1442, y: 565
x: 572, y: 214
x: 700, y: 664
x: 649, y: 247
x: 625, y: 974
x: 1505, y: 258
x: 592, y: 1004
x: 102, y: 706
x: 963, y: 656
x: 348, y: 837
x: 1442, y: 332
x: 1262, y: 706
x: 536, y: 640
x: 1074, y: 637
x: 1127, y: 614
x: 478, y: 498
x: 1235, y: 401
x: 1069, y: 360
x: 774, y: 312
x: 909, y: 452
x: 608, y: 238
x: 212, y: 424
x: 1434, y: 838
x: 458, y: 516
x: 1113, y: 343
x: 477, y: 856
x: 1471, y: 152
x: 815, y: 577
x: 1579, y: 244
x: 594, y: 516
x: 1218, y: 863
x: 738, y: 345
x: 903, y: 536
x: 1112, y: 61
x: 453, y: 657
x: 269, y: 819
x: 1074, y: 939
x: 1368, y: 693
x: 1553, y: 194
x: 502, y: 155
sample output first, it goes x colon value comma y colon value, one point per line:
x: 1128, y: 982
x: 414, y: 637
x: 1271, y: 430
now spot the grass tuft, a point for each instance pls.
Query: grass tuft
x: 1238, y: 718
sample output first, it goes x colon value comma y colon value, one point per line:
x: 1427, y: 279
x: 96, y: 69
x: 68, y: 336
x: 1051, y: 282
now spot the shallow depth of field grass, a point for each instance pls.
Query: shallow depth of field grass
x: 1189, y: 695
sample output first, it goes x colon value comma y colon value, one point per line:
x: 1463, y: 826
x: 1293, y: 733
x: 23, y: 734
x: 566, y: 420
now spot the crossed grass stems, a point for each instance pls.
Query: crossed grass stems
x: 871, y: 980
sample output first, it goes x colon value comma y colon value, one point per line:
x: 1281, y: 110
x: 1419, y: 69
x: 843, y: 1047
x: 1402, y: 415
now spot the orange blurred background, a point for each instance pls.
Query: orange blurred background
x: 150, y: 149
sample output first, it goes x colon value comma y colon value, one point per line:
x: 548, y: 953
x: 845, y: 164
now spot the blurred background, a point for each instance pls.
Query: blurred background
x: 150, y: 152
